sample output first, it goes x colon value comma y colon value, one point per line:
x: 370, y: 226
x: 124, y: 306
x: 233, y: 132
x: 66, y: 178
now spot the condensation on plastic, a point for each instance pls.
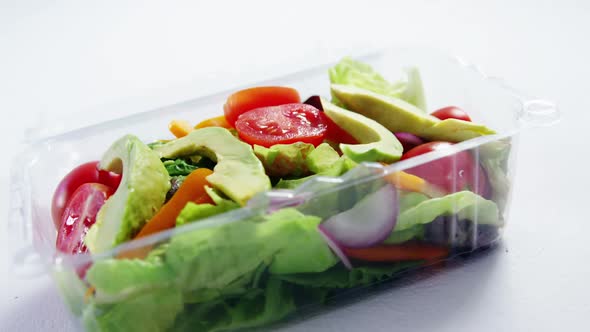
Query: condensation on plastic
x: 447, y: 81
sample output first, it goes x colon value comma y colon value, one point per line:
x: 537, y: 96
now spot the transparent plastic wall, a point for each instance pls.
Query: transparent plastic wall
x: 232, y: 270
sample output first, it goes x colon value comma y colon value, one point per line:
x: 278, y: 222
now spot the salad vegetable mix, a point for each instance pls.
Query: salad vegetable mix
x: 260, y: 269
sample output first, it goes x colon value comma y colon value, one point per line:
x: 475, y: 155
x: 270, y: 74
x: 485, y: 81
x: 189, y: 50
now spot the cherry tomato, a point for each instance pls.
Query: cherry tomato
x: 79, y: 215
x: 85, y: 173
x: 284, y: 124
x: 249, y: 99
x: 451, y: 112
x: 452, y: 173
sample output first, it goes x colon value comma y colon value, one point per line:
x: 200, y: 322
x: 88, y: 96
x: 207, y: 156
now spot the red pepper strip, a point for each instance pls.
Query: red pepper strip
x: 397, y: 252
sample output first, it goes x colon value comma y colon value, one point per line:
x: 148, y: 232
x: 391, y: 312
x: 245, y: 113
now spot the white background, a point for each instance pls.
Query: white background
x: 61, y: 59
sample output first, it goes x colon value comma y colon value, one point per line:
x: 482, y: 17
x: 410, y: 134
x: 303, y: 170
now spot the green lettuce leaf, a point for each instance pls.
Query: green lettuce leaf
x: 414, y: 232
x: 116, y: 277
x: 362, y: 75
x: 254, y: 308
x: 465, y: 204
x: 304, y: 252
x: 179, y: 166
x: 154, y: 310
x: 340, y: 277
x: 215, y: 257
x: 493, y: 157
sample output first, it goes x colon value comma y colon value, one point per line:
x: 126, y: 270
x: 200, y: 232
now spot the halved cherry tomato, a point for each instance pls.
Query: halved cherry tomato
x: 79, y: 215
x: 85, y: 173
x: 249, y: 99
x: 283, y: 124
x: 452, y: 173
x: 451, y: 112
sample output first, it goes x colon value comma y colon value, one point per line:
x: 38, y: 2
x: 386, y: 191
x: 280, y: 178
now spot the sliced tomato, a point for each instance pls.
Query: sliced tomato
x: 85, y: 173
x: 249, y: 99
x: 283, y: 124
x: 79, y: 215
x: 451, y: 112
x: 338, y: 135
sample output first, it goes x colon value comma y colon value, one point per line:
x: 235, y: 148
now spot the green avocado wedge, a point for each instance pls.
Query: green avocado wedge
x: 238, y: 173
x: 377, y: 143
x: 400, y: 116
x: 140, y: 194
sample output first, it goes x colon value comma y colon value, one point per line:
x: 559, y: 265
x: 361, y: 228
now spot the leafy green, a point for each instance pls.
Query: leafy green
x: 215, y: 257
x: 340, y: 277
x: 466, y: 204
x: 131, y: 275
x: 494, y: 159
x: 254, y: 308
x: 362, y: 75
x: 154, y: 310
x: 307, y: 251
x: 414, y: 232
x: 179, y: 166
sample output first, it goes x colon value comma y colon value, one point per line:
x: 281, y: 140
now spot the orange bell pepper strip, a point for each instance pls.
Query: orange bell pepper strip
x: 218, y: 121
x: 191, y: 190
x: 398, y: 252
x: 180, y: 128
x: 409, y: 182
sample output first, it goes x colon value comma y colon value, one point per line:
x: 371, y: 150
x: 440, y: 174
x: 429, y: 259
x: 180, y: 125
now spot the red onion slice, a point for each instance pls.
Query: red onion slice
x: 408, y: 140
x: 335, y: 248
x: 368, y: 223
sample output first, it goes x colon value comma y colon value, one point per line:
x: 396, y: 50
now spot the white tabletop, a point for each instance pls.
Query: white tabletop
x: 60, y: 57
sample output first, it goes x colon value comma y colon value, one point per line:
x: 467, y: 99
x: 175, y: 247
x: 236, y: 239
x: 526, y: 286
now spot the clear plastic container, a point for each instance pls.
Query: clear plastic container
x: 198, y: 289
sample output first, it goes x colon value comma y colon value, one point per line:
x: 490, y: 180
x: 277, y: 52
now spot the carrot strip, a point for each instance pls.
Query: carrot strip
x: 191, y: 190
x: 218, y: 121
x: 396, y: 253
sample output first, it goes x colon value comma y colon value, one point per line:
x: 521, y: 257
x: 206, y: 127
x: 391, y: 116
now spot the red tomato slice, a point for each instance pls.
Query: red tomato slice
x: 284, y: 124
x: 452, y: 173
x: 249, y: 99
x: 338, y: 135
x: 451, y: 112
x: 79, y: 215
x: 85, y: 173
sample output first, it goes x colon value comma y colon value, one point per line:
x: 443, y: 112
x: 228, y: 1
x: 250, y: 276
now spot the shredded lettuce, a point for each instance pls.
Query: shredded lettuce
x: 362, y: 75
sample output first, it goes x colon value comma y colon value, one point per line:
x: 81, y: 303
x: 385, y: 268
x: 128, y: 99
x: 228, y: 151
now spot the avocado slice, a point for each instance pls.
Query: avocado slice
x: 377, y: 142
x: 140, y: 194
x: 238, y: 173
x: 285, y: 159
x: 400, y: 116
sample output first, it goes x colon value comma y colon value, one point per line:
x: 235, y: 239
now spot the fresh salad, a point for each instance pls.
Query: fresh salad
x: 261, y: 268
